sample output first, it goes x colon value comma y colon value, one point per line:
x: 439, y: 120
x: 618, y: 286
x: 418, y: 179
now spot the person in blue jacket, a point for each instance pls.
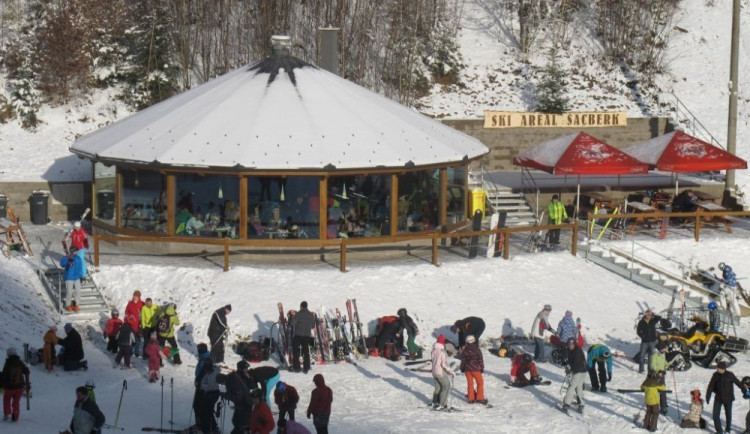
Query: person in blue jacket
x: 730, y: 278
x: 74, y: 271
x: 596, y: 356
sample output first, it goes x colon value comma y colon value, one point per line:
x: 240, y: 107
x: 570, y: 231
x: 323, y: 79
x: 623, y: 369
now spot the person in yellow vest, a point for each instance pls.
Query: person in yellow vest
x: 556, y: 214
x: 149, y: 315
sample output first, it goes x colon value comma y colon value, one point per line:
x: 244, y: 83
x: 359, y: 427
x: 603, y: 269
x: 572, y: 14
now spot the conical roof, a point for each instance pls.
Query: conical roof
x: 278, y: 114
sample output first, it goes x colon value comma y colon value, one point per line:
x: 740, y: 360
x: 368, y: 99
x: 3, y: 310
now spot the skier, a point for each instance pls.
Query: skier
x: 522, y: 363
x: 388, y: 330
x: 320, y: 404
x: 714, y: 317
x: 266, y: 378
x: 261, y: 419
x: 72, y: 354
x: 442, y: 374
x: 576, y: 367
x: 217, y: 332
x: 125, y: 340
x: 302, y: 323
x: 566, y: 328
x: 693, y: 419
x: 721, y: 383
x: 239, y: 394
x: 206, y: 390
x: 538, y: 327
x: 468, y: 326
x: 646, y: 330
x: 168, y: 320
x: 15, y: 378
x: 78, y: 238
x: 658, y: 363
x: 133, y: 317
x: 408, y: 325
x: 149, y: 313
x: 110, y: 330
x: 74, y: 271
x: 653, y: 388
x: 290, y: 427
x: 596, y: 356
x: 153, y: 354
x: 286, y: 398
x: 87, y: 418
x: 50, y: 340
x: 472, y: 365
x: 556, y: 214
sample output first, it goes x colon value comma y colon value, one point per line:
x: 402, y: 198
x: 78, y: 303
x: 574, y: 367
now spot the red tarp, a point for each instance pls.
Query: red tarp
x: 681, y: 152
x: 579, y: 154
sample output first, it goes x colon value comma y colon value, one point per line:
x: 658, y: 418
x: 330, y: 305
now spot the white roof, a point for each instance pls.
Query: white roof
x: 304, y: 120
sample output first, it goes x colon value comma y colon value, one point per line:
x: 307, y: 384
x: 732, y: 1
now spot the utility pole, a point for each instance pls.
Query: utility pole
x: 733, y: 72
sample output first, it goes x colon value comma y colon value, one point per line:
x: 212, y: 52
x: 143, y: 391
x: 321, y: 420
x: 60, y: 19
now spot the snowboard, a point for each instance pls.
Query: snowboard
x: 521, y: 386
x: 501, y: 236
x: 476, y: 226
x: 493, y: 236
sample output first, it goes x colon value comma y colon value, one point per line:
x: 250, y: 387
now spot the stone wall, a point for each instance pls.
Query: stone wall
x: 67, y: 201
x: 505, y: 143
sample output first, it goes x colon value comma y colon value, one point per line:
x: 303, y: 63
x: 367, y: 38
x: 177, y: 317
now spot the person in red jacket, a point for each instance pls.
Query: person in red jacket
x: 472, y: 365
x: 320, y: 404
x: 110, y: 331
x: 133, y: 317
x: 78, y: 238
x: 153, y: 352
x: 286, y: 398
x: 261, y: 419
x: 522, y: 364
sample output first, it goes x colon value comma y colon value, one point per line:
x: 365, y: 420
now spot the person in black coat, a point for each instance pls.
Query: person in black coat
x: 266, y: 377
x: 239, y: 393
x: 646, y: 330
x: 303, y: 322
x: 72, y: 357
x: 468, y: 326
x: 14, y: 378
x: 217, y: 332
x: 721, y: 384
x: 578, y: 371
x: 407, y: 324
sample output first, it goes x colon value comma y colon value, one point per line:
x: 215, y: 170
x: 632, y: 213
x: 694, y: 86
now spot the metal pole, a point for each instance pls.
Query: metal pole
x: 733, y: 77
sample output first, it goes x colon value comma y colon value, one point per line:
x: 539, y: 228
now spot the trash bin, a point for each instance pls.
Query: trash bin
x: 478, y: 197
x: 39, y: 207
x: 105, y: 204
x: 3, y: 206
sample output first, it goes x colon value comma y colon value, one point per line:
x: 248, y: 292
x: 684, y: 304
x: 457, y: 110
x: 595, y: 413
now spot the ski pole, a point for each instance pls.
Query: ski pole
x: 171, y: 403
x: 122, y: 392
x: 676, y: 397
x: 161, y: 417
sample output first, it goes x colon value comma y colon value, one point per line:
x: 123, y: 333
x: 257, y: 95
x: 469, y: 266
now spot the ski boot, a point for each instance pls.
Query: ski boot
x: 564, y: 408
x: 580, y: 408
x: 536, y: 380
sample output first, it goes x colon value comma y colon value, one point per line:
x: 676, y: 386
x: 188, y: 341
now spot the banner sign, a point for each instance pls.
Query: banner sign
x: 493, y: 119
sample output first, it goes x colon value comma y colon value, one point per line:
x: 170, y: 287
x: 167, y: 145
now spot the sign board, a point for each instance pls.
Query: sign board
x: 494, y: 119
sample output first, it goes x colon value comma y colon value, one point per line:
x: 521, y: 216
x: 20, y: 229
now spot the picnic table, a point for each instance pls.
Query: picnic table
x: 641, y: 208
x: 714, y: 220
x: 705, y: 197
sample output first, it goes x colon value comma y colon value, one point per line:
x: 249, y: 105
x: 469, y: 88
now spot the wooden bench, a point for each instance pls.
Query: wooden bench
x: 638, y: 208
x: 715, y: 220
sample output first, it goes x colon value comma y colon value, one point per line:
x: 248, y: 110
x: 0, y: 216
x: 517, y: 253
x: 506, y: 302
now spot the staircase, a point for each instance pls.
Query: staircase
x: 90, y: 299
x: 515, y: 204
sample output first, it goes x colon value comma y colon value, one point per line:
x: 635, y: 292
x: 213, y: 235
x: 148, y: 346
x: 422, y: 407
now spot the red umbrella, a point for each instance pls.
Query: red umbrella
x: 579, y: 154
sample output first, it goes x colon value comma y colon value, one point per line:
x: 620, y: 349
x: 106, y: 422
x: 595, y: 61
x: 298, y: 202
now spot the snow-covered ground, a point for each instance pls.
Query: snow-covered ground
x: 376, y: 396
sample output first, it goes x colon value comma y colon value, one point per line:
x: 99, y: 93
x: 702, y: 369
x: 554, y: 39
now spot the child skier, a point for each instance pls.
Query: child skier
x: 110, y: 331
x: 15, y: 379
x: 50, y: 340
x: 693, y: 419
x: 442, y: 374
x: 153, y: 352
x: 652, y: 386
x: 472, y: 365
x: 522, y: 363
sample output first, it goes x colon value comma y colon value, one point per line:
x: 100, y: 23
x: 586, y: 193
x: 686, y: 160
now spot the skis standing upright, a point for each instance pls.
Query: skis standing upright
x: 346, y: 339
x: 318, y: 347
x: 361, y: 336
x: 282, y: 345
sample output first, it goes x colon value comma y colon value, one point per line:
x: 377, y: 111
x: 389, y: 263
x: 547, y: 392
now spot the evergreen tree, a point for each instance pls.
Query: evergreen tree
x: 551, y: 91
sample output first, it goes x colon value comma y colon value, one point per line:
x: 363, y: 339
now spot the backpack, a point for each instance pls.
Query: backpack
x: 15, y: 376
x: 391, y: 352
x: 254, y: 352
x: 163, y: 325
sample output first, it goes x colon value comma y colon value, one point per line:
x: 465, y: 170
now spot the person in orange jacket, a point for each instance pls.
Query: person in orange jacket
x: 261, y: 419
x: 50, y: 340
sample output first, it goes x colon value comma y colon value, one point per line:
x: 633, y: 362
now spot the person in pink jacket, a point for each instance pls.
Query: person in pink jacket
x: 443, y: 375
x: 153, y: 352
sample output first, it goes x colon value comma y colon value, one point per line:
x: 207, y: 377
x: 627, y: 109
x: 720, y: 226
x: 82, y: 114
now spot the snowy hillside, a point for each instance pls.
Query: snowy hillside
x: 378, y: 396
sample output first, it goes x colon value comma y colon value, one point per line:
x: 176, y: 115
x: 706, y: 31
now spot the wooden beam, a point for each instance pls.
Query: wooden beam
x: 171, y: 204
x: 244, y: 206
x: 323, y: 208
x: 394, y: 205
x: 343, y: 255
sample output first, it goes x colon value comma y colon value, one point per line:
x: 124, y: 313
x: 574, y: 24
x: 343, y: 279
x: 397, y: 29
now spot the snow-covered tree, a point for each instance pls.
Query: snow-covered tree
x: 550, y: 94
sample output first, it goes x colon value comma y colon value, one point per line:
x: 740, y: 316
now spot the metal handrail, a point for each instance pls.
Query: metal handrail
x: 681, y: 109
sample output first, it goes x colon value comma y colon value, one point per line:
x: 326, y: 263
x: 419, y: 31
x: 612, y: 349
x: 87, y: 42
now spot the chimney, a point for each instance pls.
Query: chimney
x: 328, y: 54
x: 281, y: 45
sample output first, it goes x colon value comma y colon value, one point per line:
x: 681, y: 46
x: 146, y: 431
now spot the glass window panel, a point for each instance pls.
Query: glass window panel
x: 418, y: 201
x: 104, y: 186
x: 143, y: 199
x: 359, y: 206
x: 207, y: 206
x: 456, y: 195
x: 283, y: 207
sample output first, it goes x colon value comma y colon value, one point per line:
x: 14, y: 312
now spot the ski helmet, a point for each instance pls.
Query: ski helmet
x: 115, y: 312
x: 526, y: 358
x: 722, y: 265
x: 202, y: 348
x: 746, y: 381
x: 571, y: 341
x: 280, y: 387
x: 402, y: 312
x: 90, y: 384
x: 712, y: 305
x: 470, y: 339
x: 606, y: 354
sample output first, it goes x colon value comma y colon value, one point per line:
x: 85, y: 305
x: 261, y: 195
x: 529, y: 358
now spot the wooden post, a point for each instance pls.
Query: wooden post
x: 506, y: 242
x: 574, y: 238
x: 226, y: 254
x: 443, y: 201
x: 171, y: 205
x: 394, y: 205
x: 118, y: 197
x: 343, y: 255
x: 96, y: 250
x: 323, y: 207
x: 244, y: 207
x: 697, y: 225
x: 435, y: 248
